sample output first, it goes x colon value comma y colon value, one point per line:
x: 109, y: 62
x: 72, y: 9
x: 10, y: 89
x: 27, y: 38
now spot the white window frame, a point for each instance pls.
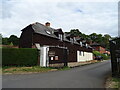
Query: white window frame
x: 61, y: 37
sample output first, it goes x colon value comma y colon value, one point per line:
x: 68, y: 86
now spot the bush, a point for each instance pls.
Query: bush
x: 19, y: 57
x: 97, y: 53
x: 104, y: 56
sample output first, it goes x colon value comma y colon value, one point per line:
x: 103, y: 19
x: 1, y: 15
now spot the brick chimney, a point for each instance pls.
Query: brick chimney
x: 47, y: 24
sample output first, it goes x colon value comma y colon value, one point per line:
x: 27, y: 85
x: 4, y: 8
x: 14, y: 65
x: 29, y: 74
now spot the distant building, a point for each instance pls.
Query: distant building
x: 39, y: 35
x: 101, y: 49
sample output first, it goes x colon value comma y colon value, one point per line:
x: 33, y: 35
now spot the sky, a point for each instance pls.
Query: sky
x: 88, y: 16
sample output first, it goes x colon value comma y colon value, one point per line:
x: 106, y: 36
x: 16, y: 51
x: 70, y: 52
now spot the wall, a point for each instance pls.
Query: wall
x: 84, y: 56
x: 26, y: 38
x: 102, y: 50
x: 72, y: 48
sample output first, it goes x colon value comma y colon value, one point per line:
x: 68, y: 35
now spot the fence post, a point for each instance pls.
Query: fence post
x: 115, y: 57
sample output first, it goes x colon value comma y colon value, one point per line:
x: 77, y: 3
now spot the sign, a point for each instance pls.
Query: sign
x: 56, y: 57
x: 52, y: 58
x: 117, y: 51
x: 51, y: 53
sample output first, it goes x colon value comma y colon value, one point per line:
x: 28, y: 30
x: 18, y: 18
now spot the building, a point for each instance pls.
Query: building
x: 37, y: 35
x: 101, y: 49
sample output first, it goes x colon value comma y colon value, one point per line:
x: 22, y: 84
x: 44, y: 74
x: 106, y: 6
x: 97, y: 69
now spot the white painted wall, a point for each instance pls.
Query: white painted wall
x: 44, y: 56
x: 84, y: 56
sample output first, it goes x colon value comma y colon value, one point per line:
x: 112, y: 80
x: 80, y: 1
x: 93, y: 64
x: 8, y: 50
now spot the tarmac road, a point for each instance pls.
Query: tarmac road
x: 89, y: 76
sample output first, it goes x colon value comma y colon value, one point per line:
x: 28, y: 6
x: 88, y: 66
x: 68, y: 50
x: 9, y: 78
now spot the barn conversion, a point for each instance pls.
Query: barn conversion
x: 55, y: 46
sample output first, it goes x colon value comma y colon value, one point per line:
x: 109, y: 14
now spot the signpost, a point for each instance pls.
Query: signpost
x: 115, y: 57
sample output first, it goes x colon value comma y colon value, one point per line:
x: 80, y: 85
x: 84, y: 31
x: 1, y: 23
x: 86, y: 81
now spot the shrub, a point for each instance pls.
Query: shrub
x: 97, y: 53
x: 19, y: 57
x: 105, y: 57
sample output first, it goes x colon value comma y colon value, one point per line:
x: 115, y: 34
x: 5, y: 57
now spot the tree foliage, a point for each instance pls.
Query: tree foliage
x: 12, y: 39
x: 94, y: 37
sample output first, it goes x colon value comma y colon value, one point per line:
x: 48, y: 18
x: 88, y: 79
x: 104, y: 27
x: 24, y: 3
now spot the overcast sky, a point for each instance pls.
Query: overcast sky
x: 88, y: 17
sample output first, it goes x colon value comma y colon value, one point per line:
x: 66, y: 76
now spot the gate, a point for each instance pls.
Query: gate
x: 115, y: 57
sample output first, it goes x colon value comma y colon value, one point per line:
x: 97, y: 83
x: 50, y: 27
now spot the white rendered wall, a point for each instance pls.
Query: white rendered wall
x: 44, y: 56
x: 86, y: 57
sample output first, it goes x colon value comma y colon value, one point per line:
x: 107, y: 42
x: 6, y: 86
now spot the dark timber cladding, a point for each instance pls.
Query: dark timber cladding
x: 45, y: 35
x: 60, y: 55
x: 26, y: 37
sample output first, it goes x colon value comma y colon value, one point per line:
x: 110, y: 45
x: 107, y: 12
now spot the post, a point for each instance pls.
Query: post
x: 65, y: 57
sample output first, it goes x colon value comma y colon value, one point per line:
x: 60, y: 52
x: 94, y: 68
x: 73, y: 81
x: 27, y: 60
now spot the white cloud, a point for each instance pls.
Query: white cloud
x: 89, y: 17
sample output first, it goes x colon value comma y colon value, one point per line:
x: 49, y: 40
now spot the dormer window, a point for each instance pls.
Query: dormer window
x: 61, y: 37
x: 48, y: 32
x: 72, y: 40
x: 81, y: 44
x: 86, y: 45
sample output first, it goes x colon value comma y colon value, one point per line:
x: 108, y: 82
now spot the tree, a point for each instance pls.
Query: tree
x: 106, y: 39
x: 74, y: 32
x: 11, y: 44
x: 5, y: 41
x: 94, y: 37
x: 14, y: 39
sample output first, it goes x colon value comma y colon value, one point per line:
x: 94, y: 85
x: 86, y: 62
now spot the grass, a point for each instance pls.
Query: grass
x: 33, y: 69
x: 20, y: 70
x: 64, y: 68
x: 116, y: 82
x: 113, y: 82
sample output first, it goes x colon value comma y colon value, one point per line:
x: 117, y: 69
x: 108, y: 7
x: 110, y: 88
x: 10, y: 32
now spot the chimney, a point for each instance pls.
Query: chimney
x: 47, y: 24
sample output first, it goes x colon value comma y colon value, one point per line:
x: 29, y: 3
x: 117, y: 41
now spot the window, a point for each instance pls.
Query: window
x: 80, y: 53
x: 72, y: 40
x: 48, y: 32
x: 61, y: 37
x: 86, y: 45
x: 80, y: 43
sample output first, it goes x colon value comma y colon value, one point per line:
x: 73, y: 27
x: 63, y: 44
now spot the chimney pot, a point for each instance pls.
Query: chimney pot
x: 47, y: 24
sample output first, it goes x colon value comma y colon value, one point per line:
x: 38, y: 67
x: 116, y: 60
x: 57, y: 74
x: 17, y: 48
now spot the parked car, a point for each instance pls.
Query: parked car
x: 98, y: 58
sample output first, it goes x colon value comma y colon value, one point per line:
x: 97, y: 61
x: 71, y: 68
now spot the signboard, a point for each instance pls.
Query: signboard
x: 52, y: 58
x: 117, y: 53
x: 56, y: 57
x: 51, y: 53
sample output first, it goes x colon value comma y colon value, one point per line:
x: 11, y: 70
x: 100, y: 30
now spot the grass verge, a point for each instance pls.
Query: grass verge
x: 23, y: 70
x: 27, y: 70
x: 36, y: 69
x: 113, y: 82
x: 117, y: 82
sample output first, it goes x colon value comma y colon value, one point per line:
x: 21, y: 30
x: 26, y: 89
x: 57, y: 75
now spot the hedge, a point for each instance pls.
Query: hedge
x: 19, y: 57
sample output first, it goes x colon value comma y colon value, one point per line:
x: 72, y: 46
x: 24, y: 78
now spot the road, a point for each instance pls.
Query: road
x: 89, y: 76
